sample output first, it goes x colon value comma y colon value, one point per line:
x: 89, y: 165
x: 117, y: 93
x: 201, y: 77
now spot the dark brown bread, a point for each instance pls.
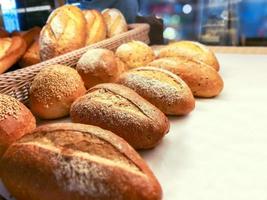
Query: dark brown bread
x: 119, y: 109
x: 76, y: 162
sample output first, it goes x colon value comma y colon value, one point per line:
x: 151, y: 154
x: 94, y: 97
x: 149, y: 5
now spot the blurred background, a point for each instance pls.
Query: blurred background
x: 214, y: 22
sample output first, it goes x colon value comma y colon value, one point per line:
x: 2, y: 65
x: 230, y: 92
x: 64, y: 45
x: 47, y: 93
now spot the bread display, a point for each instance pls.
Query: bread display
x: 99, y: 66
x: 203, y: 80
x: 53, y: 90
x: 160, y: 87
x: 122, y: 111
x: 191, y: 50
x: 15, y: 121
x: 135, y: 54
x: 96, y: 28
x: 64, y: 32
x: 75, y: 161
x: 31, y: 56
x: 11, y: 49
x: 3, y: 33
x: 115, y: 21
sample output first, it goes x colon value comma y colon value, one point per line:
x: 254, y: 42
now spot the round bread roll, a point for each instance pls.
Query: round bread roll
x: 32, y: 55
x: 96, y: 27
x: 15, y: 121
x: 203, y: 80
x: 115, y: 22
x: 53, y: 90
x: 191, y: 50
x: 11, y: 50
x: 76, y: 162
x: 64, y: 32
x: 98, y: 66
x: 135, y: 54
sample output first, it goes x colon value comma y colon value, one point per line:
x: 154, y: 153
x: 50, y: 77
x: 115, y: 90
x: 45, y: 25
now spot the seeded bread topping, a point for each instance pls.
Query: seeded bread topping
x: 9, y: 106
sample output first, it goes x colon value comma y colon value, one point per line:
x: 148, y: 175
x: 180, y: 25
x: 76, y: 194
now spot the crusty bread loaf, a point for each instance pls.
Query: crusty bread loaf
x: 76, y: 162
x: 191, y: 50
x: 203, y: 80
x: 31, y: 56
x: 64, y: 32
x: 99, y: 66
x: 3, y: 33
x: 115, y: 21
x: 11, y: 50
x: 160, y: 87
x: 122, y: 111
x: 96, y: 26
x: 135, y: 54
x: 53, y: 90
x: 15, y: 121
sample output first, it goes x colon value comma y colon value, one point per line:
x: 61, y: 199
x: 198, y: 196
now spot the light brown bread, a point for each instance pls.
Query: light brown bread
x: 160, y: 87
x: 76, y: 162
x: 31, y: 56
x: 203, y: 80
x: 16, y: 120
x: 95, y: 26
x: 122, y: 111
x: 53, y: 90
x: 99, y: 66
x: 115, y: 21
x: 191, y: 50
x: 64, y: 32
x: 135, y: 54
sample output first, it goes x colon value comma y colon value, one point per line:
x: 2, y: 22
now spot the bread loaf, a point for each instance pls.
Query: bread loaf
x: 64, y: 32
x: 15, y: 121
x: 203, y: 80
x: 53, y: 90
x: 99, y: 66
x: 160, y: 87
x: 191, y: 50
x: 135, y: 54
x: 31, y: 56
x: 96, y: 27
x: 76, y: 162
x: 115, y: 21
x: 122, y: 111
x: 3, y: 33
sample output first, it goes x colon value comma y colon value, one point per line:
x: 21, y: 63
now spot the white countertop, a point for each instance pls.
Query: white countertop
x: 219, y: 151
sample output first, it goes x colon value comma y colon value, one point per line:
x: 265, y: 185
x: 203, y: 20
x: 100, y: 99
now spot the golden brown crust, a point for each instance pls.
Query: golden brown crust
x: 15, y: 121
x: 202, y: 79
x: 11, y: 50
x: 162, y: 88
x: 96, y: 27
x: 191, y: 50
x: 32, y: 55
x: 53, y: 90
x: 122, y: 111
x: 75, y: 161
x: 63, y: 32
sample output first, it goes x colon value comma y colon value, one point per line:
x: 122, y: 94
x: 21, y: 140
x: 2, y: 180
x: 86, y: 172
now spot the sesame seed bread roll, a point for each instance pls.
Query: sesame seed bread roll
x: 99, y: 66
x: 122, y: 111
x: 162, y: 88
x: 16, y: 120
x: 53, y: 90
x: 203, y: 80
x: 191, y: 50
x: 135, y: 54
x: 64, y: 32
x: 95, y: 26
x: 76, y: 162
x: 115, y: 22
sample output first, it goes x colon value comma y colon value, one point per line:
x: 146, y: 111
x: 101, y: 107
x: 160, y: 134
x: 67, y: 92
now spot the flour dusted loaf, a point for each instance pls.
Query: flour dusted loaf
x: 191, y: 50
x: 76, y: 162
x: 203, y: 80
x: 122, y: 111
x: 160, y: 87
x: 16, y: 120
x: 53, y: 90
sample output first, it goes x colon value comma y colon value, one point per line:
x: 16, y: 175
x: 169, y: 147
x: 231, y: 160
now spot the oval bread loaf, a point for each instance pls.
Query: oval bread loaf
x: 122, y: 111
x: 75, y: 161
x: 202, y: 79
x: 160, y: 87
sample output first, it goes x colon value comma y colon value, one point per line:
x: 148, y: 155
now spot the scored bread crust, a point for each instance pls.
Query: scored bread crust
x: 75, y: 161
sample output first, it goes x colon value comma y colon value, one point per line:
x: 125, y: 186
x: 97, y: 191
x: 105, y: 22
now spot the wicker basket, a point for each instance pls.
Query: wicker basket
x: 17, y: 83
